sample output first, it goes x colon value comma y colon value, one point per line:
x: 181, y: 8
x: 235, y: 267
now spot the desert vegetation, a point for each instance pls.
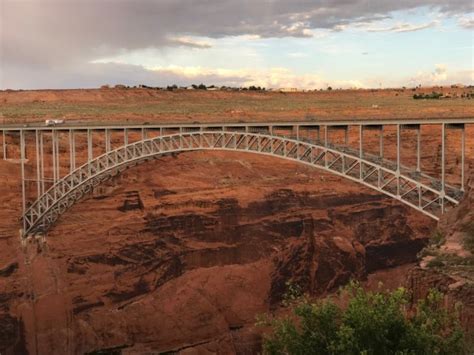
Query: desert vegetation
x: 365, y: 322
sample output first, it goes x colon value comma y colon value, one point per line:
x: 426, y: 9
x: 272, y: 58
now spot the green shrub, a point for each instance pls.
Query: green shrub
x: 436, y: 262
x: 437, y: 238
x: 372, y: 323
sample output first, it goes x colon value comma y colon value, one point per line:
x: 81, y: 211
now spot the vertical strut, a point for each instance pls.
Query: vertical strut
x: 58, y: 166
x: 443, y: 168
x: 89, y: 145
x: 463, y: 149
x: 41, y: 150
x: 53, y: 143
x: 107, y: 140
x: 38, y: 164
x: 4, y: 145
x: 398, y: 149
x: 23, y: 188
x: 398, y: 159
x: 381, y: 141
x: 361, y: 152
x: 325, y: 136
x: 418, y: 149
x: 72, y: 151
x: 125, y: 136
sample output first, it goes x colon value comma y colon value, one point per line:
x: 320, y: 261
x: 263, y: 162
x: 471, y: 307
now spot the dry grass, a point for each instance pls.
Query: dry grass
x: 140, y: 104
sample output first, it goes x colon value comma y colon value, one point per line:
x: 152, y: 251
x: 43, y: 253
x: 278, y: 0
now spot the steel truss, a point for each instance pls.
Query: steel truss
x: 66, y: 191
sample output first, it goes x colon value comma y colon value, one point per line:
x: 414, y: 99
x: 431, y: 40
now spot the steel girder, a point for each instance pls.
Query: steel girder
x: 42, y: 214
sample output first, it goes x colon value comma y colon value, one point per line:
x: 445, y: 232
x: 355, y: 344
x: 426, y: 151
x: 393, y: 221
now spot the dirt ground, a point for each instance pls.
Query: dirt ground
x: 181, y: 254
x: 148, y: 105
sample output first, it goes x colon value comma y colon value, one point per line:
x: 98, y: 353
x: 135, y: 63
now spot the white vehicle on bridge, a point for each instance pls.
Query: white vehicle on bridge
x: 53, y: 122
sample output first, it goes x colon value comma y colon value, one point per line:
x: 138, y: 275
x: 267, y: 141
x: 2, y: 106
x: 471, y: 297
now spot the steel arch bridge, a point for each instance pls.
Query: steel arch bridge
x: 300, y: 142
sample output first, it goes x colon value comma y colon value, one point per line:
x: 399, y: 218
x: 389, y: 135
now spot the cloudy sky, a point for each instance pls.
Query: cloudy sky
x: 271, y: 43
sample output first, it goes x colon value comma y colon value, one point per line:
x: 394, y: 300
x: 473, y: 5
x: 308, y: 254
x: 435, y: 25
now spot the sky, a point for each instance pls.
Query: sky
x: 308, y: 44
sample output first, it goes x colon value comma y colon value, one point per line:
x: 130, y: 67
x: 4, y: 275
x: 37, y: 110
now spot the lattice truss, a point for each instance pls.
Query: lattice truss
x: 391, y: 180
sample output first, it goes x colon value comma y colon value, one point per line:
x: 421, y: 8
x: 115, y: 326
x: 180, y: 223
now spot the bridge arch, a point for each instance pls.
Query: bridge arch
x: 43, y: 213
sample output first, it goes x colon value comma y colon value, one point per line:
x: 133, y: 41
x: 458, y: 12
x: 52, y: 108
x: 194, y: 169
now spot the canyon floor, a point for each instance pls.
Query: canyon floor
x: 182, y: 253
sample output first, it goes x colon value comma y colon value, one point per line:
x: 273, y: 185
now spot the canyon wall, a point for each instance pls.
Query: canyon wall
x: 449, y: 264
x: 181, y: 253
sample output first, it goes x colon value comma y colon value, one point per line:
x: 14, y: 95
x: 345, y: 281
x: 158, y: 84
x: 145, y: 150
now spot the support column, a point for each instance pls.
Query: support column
x: 297, y: 132
x: 23, y: 187
x: 89, y: 145
x: 58, y: 166
x: 41, y: 150
x: 418, y: 149
x: 381, y: 142
x: 38, y: 164
x: 398, y: 148
x: 107, y: 140
x: 53, y: 143
x: 443, y: 161
x: 72, y: 151
x: 125, y: 136
x: 325, y: 136
x: 398, y: 158
x: 4, y: 145
x: 361, y: 150
x: 463, y: 151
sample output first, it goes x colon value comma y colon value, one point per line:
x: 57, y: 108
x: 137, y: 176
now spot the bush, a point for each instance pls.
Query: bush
x: 435, y: 262
x: 433, y: 96
x: 437, y: 238
x: 372, y: 323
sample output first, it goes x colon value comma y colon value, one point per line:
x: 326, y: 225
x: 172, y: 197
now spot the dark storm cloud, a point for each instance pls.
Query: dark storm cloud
x: 93, y: 75
x: 60, y: 34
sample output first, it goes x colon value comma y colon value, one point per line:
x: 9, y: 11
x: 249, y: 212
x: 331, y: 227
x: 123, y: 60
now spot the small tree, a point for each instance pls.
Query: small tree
x: 372, y: 323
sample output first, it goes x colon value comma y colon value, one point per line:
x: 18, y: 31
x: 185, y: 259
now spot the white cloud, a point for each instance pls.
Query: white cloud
x: 441, y: 75
x: 269, y: 78
x: 403, y: 27
x: 189, y: 42
x: 466, y: 21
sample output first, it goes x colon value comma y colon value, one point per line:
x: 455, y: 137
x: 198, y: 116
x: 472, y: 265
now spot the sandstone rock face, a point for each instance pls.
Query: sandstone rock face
x: 181, y: 253
x: 456, y: 277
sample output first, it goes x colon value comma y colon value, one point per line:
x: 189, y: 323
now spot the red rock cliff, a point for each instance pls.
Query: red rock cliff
x: 183, y: 252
